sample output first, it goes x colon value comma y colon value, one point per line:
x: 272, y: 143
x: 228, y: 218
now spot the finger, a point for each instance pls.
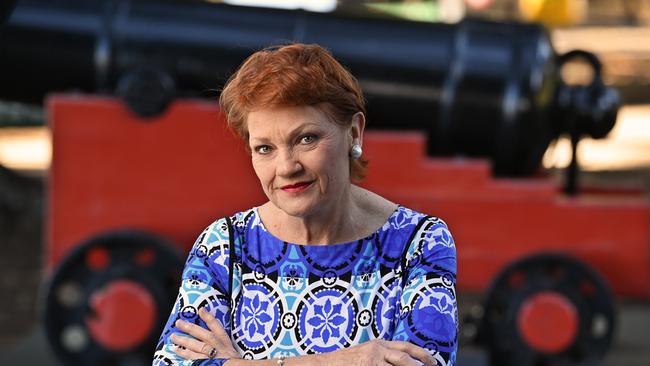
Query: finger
x: 219, y: 335
x: 191, y: 344
x: 414, y: 351
x: 399, y: 358
x: 188, y: 354
x: 214, y: 325
x: 195, y: 331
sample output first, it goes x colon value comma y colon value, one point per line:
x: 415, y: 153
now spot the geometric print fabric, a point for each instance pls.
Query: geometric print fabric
x: 277, y: 298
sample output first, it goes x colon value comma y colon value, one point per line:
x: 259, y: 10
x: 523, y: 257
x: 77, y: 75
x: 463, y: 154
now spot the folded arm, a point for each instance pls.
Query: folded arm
x: 374, y: 353
x: 204, y: 285
x: 428, y: 315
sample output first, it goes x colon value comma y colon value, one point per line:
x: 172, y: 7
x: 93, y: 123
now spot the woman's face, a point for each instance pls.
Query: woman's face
x: 300, y: 157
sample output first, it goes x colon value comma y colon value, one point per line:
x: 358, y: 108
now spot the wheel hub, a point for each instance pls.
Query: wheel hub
x: 122, y: 315
x: 548, y: 322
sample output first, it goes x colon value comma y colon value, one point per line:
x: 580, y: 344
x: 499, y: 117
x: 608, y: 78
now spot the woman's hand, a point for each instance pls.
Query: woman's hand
x: 380, y: 352
x: 213, y: 343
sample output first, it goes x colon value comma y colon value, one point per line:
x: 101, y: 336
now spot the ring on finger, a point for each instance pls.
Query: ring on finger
x: 213, y: 352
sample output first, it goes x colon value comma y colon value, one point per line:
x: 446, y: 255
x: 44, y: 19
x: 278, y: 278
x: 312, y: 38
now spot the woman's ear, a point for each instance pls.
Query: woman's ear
x: 357, y: 126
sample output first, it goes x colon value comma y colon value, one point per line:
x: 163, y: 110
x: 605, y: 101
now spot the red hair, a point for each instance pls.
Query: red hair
x: 293, y: 75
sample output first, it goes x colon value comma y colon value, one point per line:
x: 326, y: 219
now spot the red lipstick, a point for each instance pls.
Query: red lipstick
x: 296, y: 187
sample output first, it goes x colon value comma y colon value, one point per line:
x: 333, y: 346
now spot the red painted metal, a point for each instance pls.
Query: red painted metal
x: 123, y: 315
x: 548, y: 322
x: 171, y: 175
x: 98, y: 259
x: 174, y: 174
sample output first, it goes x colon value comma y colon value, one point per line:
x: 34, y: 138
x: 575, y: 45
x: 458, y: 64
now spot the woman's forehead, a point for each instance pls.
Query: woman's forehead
x: 285, y: 120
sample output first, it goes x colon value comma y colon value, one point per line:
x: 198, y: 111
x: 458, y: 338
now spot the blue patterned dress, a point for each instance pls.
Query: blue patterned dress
x: 276, y: 298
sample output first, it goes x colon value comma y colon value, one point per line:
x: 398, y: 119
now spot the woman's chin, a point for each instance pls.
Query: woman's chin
x: 295, y: 208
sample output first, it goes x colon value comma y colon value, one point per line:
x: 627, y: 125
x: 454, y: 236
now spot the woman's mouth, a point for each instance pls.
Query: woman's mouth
x: 296, y: 187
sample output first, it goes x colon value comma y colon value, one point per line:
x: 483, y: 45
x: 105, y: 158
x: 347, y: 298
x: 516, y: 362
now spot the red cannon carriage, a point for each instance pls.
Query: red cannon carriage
x: 125, y: 193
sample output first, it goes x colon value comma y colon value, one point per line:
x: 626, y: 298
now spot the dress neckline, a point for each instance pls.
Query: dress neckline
x: 375, y: 232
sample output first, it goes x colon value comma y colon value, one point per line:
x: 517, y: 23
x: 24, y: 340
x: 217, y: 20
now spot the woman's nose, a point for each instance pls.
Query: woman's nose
x: 288, y: 164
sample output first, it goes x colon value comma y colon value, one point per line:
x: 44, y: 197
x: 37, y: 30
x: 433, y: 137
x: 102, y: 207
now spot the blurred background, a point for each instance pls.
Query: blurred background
x: 576, y: 138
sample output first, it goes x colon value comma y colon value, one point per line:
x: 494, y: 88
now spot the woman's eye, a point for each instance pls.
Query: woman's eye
x: 264, y: 149
x: 307, y: 139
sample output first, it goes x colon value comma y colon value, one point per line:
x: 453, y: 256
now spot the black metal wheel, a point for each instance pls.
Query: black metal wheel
x: 548, y: 310
x: 107, y: 301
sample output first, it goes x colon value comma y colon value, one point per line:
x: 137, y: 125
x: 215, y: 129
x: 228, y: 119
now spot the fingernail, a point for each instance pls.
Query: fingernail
x: 180, y: 323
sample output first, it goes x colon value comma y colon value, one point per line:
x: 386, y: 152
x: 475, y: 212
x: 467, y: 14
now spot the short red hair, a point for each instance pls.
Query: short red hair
x: 293, y: 75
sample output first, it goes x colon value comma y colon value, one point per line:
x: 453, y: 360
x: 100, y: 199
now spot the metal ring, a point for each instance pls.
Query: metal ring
x: 213, y: 352
x: 281, y: 360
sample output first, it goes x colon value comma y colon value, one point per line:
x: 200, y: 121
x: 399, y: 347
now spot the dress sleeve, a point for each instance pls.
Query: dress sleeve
x: 428, y: 313
x: 205, y: 283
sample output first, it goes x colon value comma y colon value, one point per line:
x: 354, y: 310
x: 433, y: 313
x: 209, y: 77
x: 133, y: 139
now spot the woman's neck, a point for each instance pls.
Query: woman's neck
x: 338, y: 223
x: 329, y: 224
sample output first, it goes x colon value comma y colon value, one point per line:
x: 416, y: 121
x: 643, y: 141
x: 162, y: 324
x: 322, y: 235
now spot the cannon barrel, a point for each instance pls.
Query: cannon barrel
x: 477, y: 88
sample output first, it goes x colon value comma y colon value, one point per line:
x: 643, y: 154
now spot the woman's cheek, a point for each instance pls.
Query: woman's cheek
x: 263, y: 175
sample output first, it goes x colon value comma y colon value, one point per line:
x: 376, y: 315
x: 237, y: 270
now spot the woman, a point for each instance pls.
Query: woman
x: 325, y: 272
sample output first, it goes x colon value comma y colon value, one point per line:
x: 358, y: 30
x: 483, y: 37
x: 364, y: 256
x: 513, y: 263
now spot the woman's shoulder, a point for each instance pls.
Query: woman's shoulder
x: 225, y: 226
x: 431, y: 243
x: 405, y: 217
x: 236, y: 219
x: 427, y: 228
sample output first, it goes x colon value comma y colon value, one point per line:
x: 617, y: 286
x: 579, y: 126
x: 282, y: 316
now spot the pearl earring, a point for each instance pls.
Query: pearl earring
x: 356, y: 151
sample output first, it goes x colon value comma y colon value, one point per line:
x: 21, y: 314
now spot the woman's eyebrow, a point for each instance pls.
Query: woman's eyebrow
x: 298, y: 130
x: 290, y: 136
x: 257, y: 140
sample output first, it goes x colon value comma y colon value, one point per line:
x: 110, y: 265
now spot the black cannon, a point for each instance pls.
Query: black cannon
x: 480, y: 89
